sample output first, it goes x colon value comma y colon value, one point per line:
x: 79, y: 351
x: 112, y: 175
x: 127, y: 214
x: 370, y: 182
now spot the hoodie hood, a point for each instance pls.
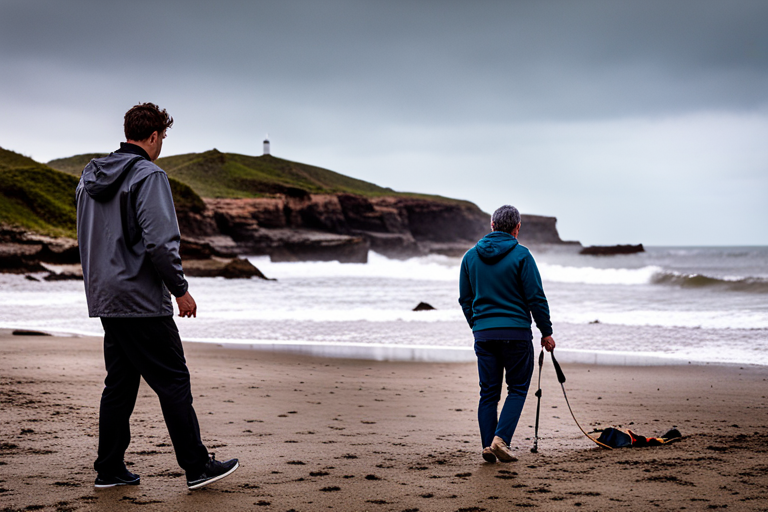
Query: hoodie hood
x: 494, y: 246
x: 102, y: 176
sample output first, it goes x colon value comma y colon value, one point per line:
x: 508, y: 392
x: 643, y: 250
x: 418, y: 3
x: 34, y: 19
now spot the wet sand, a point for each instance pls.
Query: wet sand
x: 327, y: 434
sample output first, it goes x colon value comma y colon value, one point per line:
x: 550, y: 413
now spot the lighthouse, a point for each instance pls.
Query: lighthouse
x: 266, y: 144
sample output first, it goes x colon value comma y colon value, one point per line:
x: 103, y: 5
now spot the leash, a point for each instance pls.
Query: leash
x: 561, y: 380
x: 535, y: 448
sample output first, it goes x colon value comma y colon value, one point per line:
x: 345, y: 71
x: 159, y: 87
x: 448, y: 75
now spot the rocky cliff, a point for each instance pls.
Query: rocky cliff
x: 344, y: 227
x: 230, y: 204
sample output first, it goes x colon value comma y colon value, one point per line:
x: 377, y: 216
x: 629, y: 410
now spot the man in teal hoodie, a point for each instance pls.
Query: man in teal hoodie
x: 499, y: 290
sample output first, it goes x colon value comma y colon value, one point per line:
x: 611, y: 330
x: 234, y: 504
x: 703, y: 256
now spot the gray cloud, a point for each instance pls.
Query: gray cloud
x: 522, y: 59
x: 566, y: 97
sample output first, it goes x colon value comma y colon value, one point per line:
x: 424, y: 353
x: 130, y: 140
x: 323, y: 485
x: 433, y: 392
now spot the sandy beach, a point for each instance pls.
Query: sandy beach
x: 327, y: 434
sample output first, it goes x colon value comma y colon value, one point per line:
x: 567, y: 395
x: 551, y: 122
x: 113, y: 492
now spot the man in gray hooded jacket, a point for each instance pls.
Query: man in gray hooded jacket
x: 129, y: 247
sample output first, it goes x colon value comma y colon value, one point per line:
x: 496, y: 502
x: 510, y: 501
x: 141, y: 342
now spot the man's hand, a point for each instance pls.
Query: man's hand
x: 548, y: 343
x: 187, y: 306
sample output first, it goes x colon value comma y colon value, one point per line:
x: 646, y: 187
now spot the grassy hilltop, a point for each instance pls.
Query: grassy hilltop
x: 183, y: 196
x: 36, y: 197
x: 74, y: 165
x: 215, y: 174
x: 41, y: 197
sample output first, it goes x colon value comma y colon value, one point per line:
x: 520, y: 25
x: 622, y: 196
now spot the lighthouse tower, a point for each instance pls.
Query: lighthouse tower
x: 266, y: 144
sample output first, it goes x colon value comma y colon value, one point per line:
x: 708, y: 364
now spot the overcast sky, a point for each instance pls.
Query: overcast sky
x: 631, y: 122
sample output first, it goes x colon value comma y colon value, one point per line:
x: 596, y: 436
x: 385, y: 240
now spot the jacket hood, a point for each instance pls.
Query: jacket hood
x: 494, y: 246
x: 102, y: 176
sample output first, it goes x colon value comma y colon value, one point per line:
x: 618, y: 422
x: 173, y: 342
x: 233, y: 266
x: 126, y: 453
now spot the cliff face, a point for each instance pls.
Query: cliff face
x: 343, y: 227
x: 230, y: 204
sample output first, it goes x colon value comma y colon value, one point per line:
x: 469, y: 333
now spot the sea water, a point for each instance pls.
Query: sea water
x: 702, y: 304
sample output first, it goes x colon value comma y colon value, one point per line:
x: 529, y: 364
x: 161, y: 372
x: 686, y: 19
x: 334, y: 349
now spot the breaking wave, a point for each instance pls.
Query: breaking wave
x: 434, y: 267
x: 743, y: 284
x: 592, y: 275
x: 649, y: 275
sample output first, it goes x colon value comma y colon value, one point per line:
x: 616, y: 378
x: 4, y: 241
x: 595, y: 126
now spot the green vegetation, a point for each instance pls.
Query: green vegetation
x: 74, y: 165
x: 35, y: 197
x: 184, y: 198
x: 216, y: 174
x: 41, y: 197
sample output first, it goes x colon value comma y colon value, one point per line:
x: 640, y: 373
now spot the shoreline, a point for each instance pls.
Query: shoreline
x: 393, y: 352
x: 322, y: 433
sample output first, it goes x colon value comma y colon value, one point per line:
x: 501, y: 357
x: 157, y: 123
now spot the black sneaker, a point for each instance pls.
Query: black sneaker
x: 214, y: 470
x: 126, y: 478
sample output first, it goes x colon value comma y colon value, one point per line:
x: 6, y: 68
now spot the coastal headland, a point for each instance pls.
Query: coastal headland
x: 230, y: 204
x: 350, y: 435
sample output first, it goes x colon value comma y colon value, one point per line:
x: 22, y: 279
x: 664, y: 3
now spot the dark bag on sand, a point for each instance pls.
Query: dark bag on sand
x: 622, y: 438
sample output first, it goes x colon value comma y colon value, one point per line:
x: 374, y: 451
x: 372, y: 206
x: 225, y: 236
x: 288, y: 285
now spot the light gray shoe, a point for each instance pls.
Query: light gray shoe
x: 500, y: 449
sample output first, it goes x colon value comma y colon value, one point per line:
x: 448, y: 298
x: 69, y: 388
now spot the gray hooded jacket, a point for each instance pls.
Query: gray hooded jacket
x: 129, y: 238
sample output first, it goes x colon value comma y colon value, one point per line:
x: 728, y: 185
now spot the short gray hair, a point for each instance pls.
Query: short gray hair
x: 505, y: 218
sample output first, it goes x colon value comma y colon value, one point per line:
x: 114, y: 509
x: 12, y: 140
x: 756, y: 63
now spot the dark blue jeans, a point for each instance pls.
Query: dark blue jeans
x: 494, y: 358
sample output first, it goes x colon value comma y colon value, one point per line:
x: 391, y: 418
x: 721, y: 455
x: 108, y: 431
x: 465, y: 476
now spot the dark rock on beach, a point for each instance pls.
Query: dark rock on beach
x: 423, y: 306
x: 235, y: 268
x: 193, y: 250
x: 23, y: 252
x: 64, y: 276
x: 240, y: 268
x: 610, y: 250
x: 18, y: 259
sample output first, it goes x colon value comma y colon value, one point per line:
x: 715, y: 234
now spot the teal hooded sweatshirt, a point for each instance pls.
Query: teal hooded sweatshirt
x: 500, y: 286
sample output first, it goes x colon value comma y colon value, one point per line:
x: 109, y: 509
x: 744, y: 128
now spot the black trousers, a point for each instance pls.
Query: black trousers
x: 149, y: 348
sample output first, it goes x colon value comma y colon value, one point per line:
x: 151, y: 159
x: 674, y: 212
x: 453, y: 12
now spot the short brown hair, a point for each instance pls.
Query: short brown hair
x: 144, y: 119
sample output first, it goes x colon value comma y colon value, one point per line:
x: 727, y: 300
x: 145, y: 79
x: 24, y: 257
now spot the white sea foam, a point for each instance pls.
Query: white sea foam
x: 667, y: 318
x: 321, y: 314
x: 443, y: 268
x: 339, y: 303
x: 592, y: 275
x: 427, y: 268
x: 42, y: 300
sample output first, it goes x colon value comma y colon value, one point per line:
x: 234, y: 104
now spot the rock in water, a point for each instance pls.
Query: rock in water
x: 236, y: 268
x: 64, y: 276
x: 24, y: 332
x: 423, y: 306
x: 240, y: 268
x: 610, y: 250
